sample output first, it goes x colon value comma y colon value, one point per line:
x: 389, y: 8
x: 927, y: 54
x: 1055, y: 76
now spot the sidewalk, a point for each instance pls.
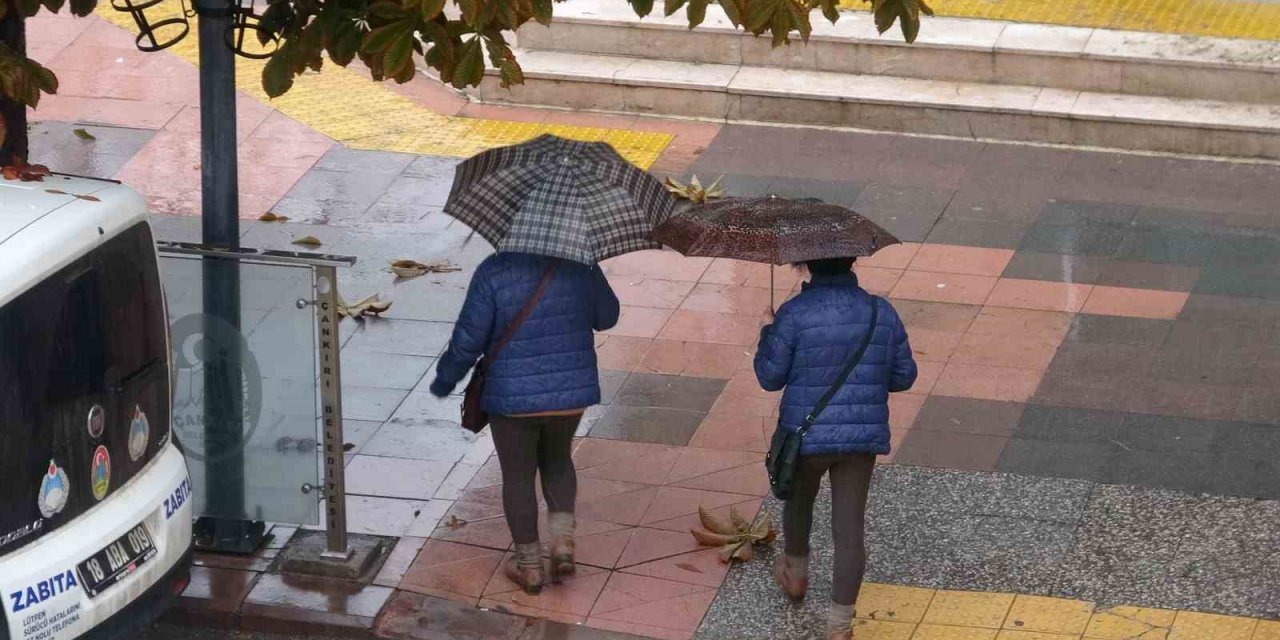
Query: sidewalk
x: 1096, y: 422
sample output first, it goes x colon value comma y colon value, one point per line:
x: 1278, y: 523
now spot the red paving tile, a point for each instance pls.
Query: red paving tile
x: 733, y: 431
x: 1135, y: 303
x: 1039, y: 294
x: 672, y: 502
x: 745, y: 405
x: 933, y: 346
x: 696, y: 462
x: 935, y: 316
x: 573, y: 597
x: 878, y: 281
x: 746, y: 479
x: 715, y: 328
x: 627, y: 508
x: 602, y: 549
x: 944, y: 287
x: 697, y: 359
x: 702, y: 568
x: 903, y: 409
x: 633, y: 462
x: 723, y: 298
x: 977, y: 261
x: 665, y: 265
x: 107, y: 111
x: 647, y: 545
x: 641, y: 630
x: 748, y: 509
x: 896, y: 256
x: 591, y: 489
x: 926, y: 377
x: 640, y: 322
x: 750, y: 274
x: 987, y: 383
x: 619, y: 352
x: 1003, y: 321
x: 452, y: 570
x: 492, y: 533
x: 641, y: 600
x: 1016, y: 351
x: 650, y: 292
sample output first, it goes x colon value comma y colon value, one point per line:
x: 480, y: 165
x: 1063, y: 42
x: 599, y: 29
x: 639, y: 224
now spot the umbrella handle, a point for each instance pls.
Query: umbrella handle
x: 772, y: 309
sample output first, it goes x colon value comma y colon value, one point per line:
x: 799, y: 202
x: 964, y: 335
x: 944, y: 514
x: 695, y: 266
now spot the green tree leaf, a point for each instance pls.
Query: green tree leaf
x: 670, y: 7
x: 781, y: 26
x: 277, y: 76
x: 733, y: 11
x: 388, y: 11
x: 542, y: 11
x: 642, y: 7
x: 379, y: 40
x: 760, y: 14
x: 83, y: 8
x: 53, y: 6
x: 800, y: 18
x: 432, y: 8
x: 470, y: 68
x: 398, y: 56
x: 697, y: 12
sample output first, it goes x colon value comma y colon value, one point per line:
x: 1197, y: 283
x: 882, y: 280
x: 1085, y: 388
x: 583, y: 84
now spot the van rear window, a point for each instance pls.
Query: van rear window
x: 83, y: 366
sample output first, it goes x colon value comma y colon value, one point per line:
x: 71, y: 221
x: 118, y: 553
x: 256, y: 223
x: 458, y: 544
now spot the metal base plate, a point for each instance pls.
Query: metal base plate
x: 223, y: 535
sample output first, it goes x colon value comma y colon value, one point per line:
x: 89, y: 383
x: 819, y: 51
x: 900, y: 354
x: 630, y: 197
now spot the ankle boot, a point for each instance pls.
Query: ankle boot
x: 840, y: 622
x: 561, y: 526
x: 525, y: 569
x: 792, y: 576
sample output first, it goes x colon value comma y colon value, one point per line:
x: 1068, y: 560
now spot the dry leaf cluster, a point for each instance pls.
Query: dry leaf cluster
x: 412, y: 268
x: 371, y: 305
x: 694, y: 191
x: 308, y: 241
x: 272, y: 216
x: 24, y: 172
x: 737, y: 537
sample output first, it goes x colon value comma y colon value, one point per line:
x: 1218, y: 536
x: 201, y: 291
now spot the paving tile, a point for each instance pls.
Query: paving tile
x: 640, y: 322
x: 1049, y: 615
x: 896, y: 256
x: 490, y: 533
x: 1119, y: 622
x: 650, y: 292
x: 653, y: 601
x: 995, y: 234
x: 944, y: 287
x: 1003, y: 321
x: 936, y: 316
x: 1118, y: 330
x: 696, y: 359
x: 383, y: 370
x: 573, y: 597
x: 648, y: 424
x: 670, y: 392
x: 750, y: 274
x: 1267, y: 630
x: 950, y: 450
x: 395, y: 477
x: 672, y: 502
x: 624, y: 461
x: 736, y: 432
x: 1034, y: 294
x: 666, y: 265
x: 966, y: 415
x: 987, y: 382
x: 552, y: 630
x: 1189, y: 625
x: 969, y: 609
x: 883, y: 629
x: 892, y: 602
x: 310, y: 604
x: 419, y: 617
x: 1113, y: 361
x: 1083, y: 237
x: 1138, y: 303
x: 1011, y: 634
x: 975, y: 261
x: 422, y: 408
x: 949, y: 632
x: 621, y: 353
x: 1143, y: 275
x: 637, y: 630
x: 647, y: 545
x: 215, y: 593
x: 835, y: 192
x: 382, y: 516
x: 711, y: 327
x: 719, y: 298
x: 399, y: 561
x: 1057, y: 267
x: 626, y: 508
x: 697, y: 568
x: 908, y: 212
x: 1059, y: 459
x: 370, y: 403
x: 1015, y: 351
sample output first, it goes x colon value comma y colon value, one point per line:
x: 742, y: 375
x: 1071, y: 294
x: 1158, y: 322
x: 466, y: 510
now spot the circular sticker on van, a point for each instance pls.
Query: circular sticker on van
x: 97, y: 421
x: 139, y: 434
x: 100, y: 472
x: 54, y: 489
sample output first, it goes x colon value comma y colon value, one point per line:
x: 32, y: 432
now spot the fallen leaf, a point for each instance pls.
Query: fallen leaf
x: 57, y: 192
x: 713, y: 524
x: 272, y: 217
x: 84, y: 135
x: 308, y: 241
x: 90, y: 198
x: 455, y: 522
x: 406, y: 269
x: 347, y: 446
x: 369, y: 305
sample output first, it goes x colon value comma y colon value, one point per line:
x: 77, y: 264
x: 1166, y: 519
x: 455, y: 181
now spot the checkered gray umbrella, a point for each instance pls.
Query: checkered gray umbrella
x: 575, y: 200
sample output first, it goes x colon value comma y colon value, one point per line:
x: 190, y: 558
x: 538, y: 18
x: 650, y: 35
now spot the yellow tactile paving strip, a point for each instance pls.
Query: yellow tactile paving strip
x: 1217, y: 18
x: 887, y: 612
x: 363, y: 114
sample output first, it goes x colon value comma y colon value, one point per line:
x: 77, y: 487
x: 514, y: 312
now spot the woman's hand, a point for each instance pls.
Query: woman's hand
x: 441, y: 389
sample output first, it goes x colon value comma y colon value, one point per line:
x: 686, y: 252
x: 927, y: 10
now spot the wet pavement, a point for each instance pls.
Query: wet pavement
x: 1095, y: 424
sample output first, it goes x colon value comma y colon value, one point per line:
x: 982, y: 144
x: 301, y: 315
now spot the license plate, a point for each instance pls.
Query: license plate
x: 116, y: 561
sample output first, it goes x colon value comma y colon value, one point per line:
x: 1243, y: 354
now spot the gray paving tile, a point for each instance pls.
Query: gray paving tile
x: 648, y: 424
x: 432, y: 167
x: 370, y: 368
x: 1195, y: 362
x: 1081, y: 460
x: 425, y: 409
x: 1068, y: 425
x: 420, y: 440
x: 670, y: 392
x: 992, y: 234
x: 1086, y: 237
x: 1070, y: 212
x: 395, y: 335
x: 176, y: 228
x: 1056, y: 267
x: 1211, y: 309
x: 341, y: 158
x: 360, y: 187
x: 356, y: 433
x: 610, y: 384
x: 370, y: 403
x: 424, y: 193
x: 950, y: 450
x: 54, y: 145
x: 737, y: 185
x: 831, y: 191
x: 965, y: 415
x: 909, y: 213
x: 1142, y: 275
x: 1088, y: 359
x: 1249, y: 281
x: 317, y: 211
x: 1118, y: 330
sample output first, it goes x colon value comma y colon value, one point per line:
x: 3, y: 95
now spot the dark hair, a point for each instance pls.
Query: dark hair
x: 827, y: 266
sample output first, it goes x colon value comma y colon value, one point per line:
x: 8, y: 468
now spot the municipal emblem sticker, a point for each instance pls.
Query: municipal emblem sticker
x: 139, y: 434
x: 54, y: 489
x: 100, y: 472
x: 97, y: 421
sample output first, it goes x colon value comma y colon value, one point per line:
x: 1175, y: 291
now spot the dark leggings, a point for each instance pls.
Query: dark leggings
x: 850, y: 482
x: 527, y: 446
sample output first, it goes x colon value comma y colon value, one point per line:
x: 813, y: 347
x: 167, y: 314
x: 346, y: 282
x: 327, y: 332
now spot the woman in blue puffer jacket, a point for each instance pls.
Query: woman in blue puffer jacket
x: 812, y: 338
x: 536, y: 390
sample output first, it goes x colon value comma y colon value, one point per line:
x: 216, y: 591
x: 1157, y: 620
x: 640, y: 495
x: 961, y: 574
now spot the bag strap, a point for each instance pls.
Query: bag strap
x: 848, y: 369
x: 547, y: 276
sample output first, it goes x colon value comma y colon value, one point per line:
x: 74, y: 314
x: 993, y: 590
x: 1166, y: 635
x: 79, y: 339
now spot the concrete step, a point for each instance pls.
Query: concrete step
x: 1081, y: 59
x: 939, y: 107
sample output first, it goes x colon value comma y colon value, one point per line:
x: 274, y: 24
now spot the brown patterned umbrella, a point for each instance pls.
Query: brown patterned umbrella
x: 772, y: 230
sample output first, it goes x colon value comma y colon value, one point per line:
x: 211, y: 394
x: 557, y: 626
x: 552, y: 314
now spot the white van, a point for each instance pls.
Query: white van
x: 95, y: 516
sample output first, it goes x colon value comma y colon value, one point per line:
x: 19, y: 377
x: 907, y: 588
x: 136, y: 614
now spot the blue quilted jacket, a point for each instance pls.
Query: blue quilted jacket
x: 807, y: 346
x: 550, y: 363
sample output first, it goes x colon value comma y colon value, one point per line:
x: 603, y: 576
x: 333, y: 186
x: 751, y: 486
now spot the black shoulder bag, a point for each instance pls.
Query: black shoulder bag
x: 784, y: 452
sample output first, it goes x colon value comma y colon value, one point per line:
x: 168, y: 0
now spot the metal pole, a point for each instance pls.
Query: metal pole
x: 228, y: 527
x: 335, y: 483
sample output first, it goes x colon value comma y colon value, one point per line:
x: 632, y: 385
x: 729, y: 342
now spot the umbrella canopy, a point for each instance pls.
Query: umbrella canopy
x: 575, y: 200
x: 772, y: 230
